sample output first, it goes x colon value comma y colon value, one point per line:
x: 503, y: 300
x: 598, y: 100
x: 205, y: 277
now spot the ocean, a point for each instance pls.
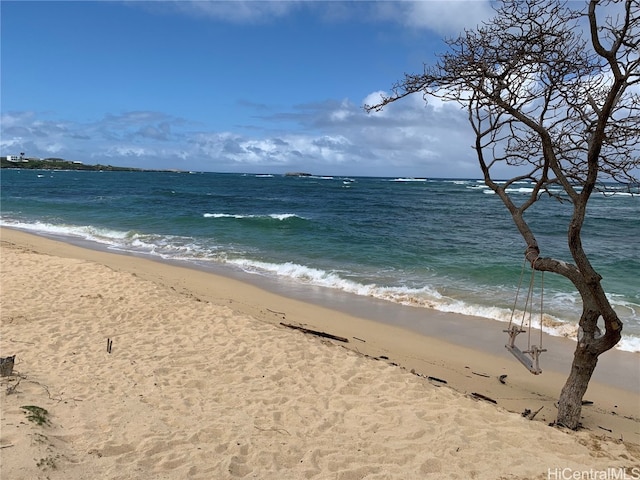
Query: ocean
x: 448, y: 245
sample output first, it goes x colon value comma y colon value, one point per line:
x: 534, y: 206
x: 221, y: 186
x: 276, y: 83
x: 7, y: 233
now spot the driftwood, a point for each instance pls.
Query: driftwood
x: 316, y: 332
x: 436, y: 379
x: 483, y: 397
x: 6, y: 366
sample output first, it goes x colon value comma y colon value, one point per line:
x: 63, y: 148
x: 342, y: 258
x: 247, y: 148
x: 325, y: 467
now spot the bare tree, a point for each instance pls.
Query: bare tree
x: 553, y: 92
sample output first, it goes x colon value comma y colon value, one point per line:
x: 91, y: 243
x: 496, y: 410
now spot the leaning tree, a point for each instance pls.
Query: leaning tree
x: 554, y: 93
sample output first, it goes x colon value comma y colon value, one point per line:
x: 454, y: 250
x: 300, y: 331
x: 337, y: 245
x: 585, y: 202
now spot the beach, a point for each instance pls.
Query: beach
x: 150, y: 370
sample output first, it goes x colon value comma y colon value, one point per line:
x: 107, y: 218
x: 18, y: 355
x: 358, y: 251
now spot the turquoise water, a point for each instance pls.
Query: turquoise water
x: 443, y: 244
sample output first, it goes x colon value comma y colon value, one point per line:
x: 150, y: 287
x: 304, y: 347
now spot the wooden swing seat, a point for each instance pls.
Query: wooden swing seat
x: 530, y: 362
x: 529, y: 358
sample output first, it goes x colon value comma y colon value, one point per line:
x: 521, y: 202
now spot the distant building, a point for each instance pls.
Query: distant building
x: 16, y: 158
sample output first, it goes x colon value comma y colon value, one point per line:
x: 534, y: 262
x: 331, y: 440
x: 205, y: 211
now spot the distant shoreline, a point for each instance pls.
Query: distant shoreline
x: 60, y: 164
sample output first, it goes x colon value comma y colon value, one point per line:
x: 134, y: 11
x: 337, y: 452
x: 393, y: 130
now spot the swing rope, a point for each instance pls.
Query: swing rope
x: 529, y: 304
x: 515, y: 302
x: 533, y: 351
x: 541, y: 306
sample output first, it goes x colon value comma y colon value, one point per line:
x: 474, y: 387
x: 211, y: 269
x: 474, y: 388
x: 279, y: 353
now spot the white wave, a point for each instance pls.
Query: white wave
x: 163, y: 246
x: 522, y: 190
x: 519, y: 190
x: 629, y: 344
x: 410, y: 179
x: 317, y: 277
x: 550, y: 325
x: 283, y: 216
x: 87, y: 232
x: 222, y: 215
x: 298, y: 272
x: 625, y: 309
x: 275, y: 216
x: 425, y: 297
x: 184, y: 248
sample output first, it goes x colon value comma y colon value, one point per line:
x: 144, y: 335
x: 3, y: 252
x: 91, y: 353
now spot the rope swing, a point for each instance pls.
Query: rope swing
x: 531, y: 356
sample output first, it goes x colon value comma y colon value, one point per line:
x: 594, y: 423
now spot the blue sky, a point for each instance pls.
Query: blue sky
x: 256, y: 87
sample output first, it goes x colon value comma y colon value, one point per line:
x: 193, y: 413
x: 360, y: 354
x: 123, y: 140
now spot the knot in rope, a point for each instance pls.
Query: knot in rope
x: 531, y: 254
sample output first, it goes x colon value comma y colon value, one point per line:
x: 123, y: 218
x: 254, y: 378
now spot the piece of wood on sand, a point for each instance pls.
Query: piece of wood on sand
x: 315, y: 332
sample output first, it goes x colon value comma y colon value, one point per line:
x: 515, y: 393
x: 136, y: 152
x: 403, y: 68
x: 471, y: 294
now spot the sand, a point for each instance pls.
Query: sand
x: 204, y: 382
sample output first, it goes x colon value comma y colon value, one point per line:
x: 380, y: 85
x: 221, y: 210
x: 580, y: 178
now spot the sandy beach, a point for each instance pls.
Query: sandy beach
x: 154, y: 371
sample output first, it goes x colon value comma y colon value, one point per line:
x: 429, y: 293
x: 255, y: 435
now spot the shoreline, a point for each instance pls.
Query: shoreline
x: 201, y: 380
x: 468, y: 354
x: 616, y: 368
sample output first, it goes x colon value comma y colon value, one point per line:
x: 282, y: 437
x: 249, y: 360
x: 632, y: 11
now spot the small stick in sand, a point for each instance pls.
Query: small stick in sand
x: 533, y: 415
x: 12, y: 388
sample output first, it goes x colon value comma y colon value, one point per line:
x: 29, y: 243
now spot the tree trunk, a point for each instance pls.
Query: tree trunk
x: 570, y: 402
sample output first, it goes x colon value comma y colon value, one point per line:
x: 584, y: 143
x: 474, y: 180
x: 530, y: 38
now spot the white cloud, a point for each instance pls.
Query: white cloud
x: 233, y: 11
x: 446, y: 17
x: 10, y: 145
x: 408, y: 137
x: 53, y: 148
x: 375, y: 98
x: 128, y: 151
x: 343, y: 113
x: 12, y: 119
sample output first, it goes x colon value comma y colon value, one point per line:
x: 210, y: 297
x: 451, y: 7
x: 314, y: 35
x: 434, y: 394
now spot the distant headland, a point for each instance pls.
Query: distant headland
x: 22, y: 162
x: 31, y: 163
